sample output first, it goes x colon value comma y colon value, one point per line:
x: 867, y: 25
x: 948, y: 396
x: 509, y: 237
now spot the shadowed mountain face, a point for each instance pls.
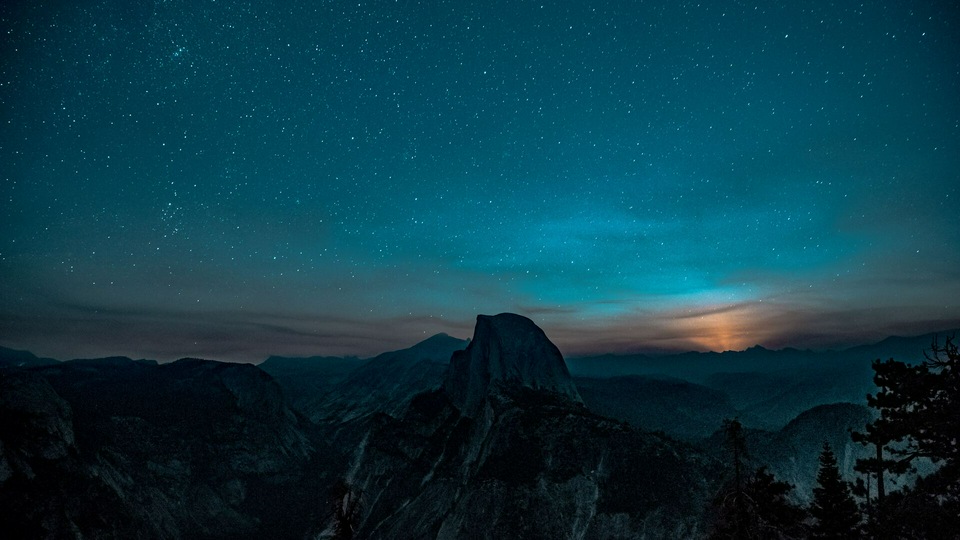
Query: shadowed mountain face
x: 117, y: 448
x: 505, y: 449
x: 507, y: 351
x: 383, y: 384
x: 680, y: 409
x: 303, y: 379
x: 307, y: 382
x: 792, y: 453
x: 389, y: 381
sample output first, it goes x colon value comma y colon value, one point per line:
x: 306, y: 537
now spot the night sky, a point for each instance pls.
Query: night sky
x: 234, y: 179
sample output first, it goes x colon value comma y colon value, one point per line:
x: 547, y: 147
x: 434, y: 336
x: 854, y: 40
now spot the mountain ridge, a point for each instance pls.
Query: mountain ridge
x: 907, y: 346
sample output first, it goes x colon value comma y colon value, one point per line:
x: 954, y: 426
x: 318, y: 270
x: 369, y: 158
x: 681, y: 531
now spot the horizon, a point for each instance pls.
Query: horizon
x: 653, y: 353
x: 573, y: 339
x: 343, y: 179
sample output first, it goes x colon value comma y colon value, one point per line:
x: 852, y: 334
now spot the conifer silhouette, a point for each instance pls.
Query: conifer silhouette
x: 833, y: 506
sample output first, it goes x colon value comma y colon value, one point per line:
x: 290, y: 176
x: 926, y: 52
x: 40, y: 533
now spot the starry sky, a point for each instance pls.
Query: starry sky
x: 234, y: 179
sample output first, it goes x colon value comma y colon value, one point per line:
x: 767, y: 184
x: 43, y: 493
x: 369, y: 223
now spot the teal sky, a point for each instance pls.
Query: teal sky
x: 238, y: 179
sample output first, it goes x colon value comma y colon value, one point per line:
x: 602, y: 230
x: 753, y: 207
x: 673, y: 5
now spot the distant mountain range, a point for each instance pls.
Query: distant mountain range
x: 768, y: 388
x: 697, y: 366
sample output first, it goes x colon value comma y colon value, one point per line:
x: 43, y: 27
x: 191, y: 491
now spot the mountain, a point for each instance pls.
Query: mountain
x: 117, y: 448
x: 491, y: 438
x: 680, y: 409
x: 322, y: 370
x: 908, y: 349
x: 387, y: 382
x: 792, y: 452
x: 15, y: 358
x: 508, y: 351
x: 506, y: 449
x: 697, y: 366
x: 768, y: 388
x: 771, y: 400
x: 693, y: 366
x: 306, y: 380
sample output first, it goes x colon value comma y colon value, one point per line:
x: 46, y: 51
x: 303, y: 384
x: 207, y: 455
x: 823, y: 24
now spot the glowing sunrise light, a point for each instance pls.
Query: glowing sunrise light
x: 722, y: 328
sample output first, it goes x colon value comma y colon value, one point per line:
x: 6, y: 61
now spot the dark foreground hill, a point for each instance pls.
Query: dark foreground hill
x: 122, y: 449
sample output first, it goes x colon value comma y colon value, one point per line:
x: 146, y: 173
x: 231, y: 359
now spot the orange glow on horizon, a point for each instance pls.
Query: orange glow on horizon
x: 721, y: 330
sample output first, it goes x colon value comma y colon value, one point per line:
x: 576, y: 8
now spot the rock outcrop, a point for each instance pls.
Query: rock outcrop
x: 506, y: 450
x: 508, y: 352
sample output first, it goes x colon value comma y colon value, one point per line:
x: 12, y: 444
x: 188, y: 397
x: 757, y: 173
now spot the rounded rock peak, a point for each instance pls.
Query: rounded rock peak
x: 507, y: 350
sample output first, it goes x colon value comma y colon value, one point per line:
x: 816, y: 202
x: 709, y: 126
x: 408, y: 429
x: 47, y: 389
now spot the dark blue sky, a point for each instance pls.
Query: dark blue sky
x: 235, y: 179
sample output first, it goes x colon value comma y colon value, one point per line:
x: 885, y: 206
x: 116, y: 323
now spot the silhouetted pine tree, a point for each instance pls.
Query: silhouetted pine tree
x: 919, y: 417
x: 888, y: 429
x: 753, y: 506
x: 833, y: 506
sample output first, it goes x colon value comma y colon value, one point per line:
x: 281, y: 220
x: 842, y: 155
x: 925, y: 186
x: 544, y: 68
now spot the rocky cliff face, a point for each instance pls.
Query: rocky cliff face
x: 507, y: 352
x: 36, y: 424
x: 116, y: 448
x: 505, y: 449
x: 793, y: 452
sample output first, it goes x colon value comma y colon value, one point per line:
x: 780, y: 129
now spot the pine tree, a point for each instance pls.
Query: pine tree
x: 776, y: 515
x: 889, y: 430
x: 918, y: 409
x: 753, y: 506
x: 833, y: 506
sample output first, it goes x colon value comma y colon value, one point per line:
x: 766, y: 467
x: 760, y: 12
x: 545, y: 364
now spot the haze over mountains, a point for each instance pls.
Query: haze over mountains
x: 496, y: 437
